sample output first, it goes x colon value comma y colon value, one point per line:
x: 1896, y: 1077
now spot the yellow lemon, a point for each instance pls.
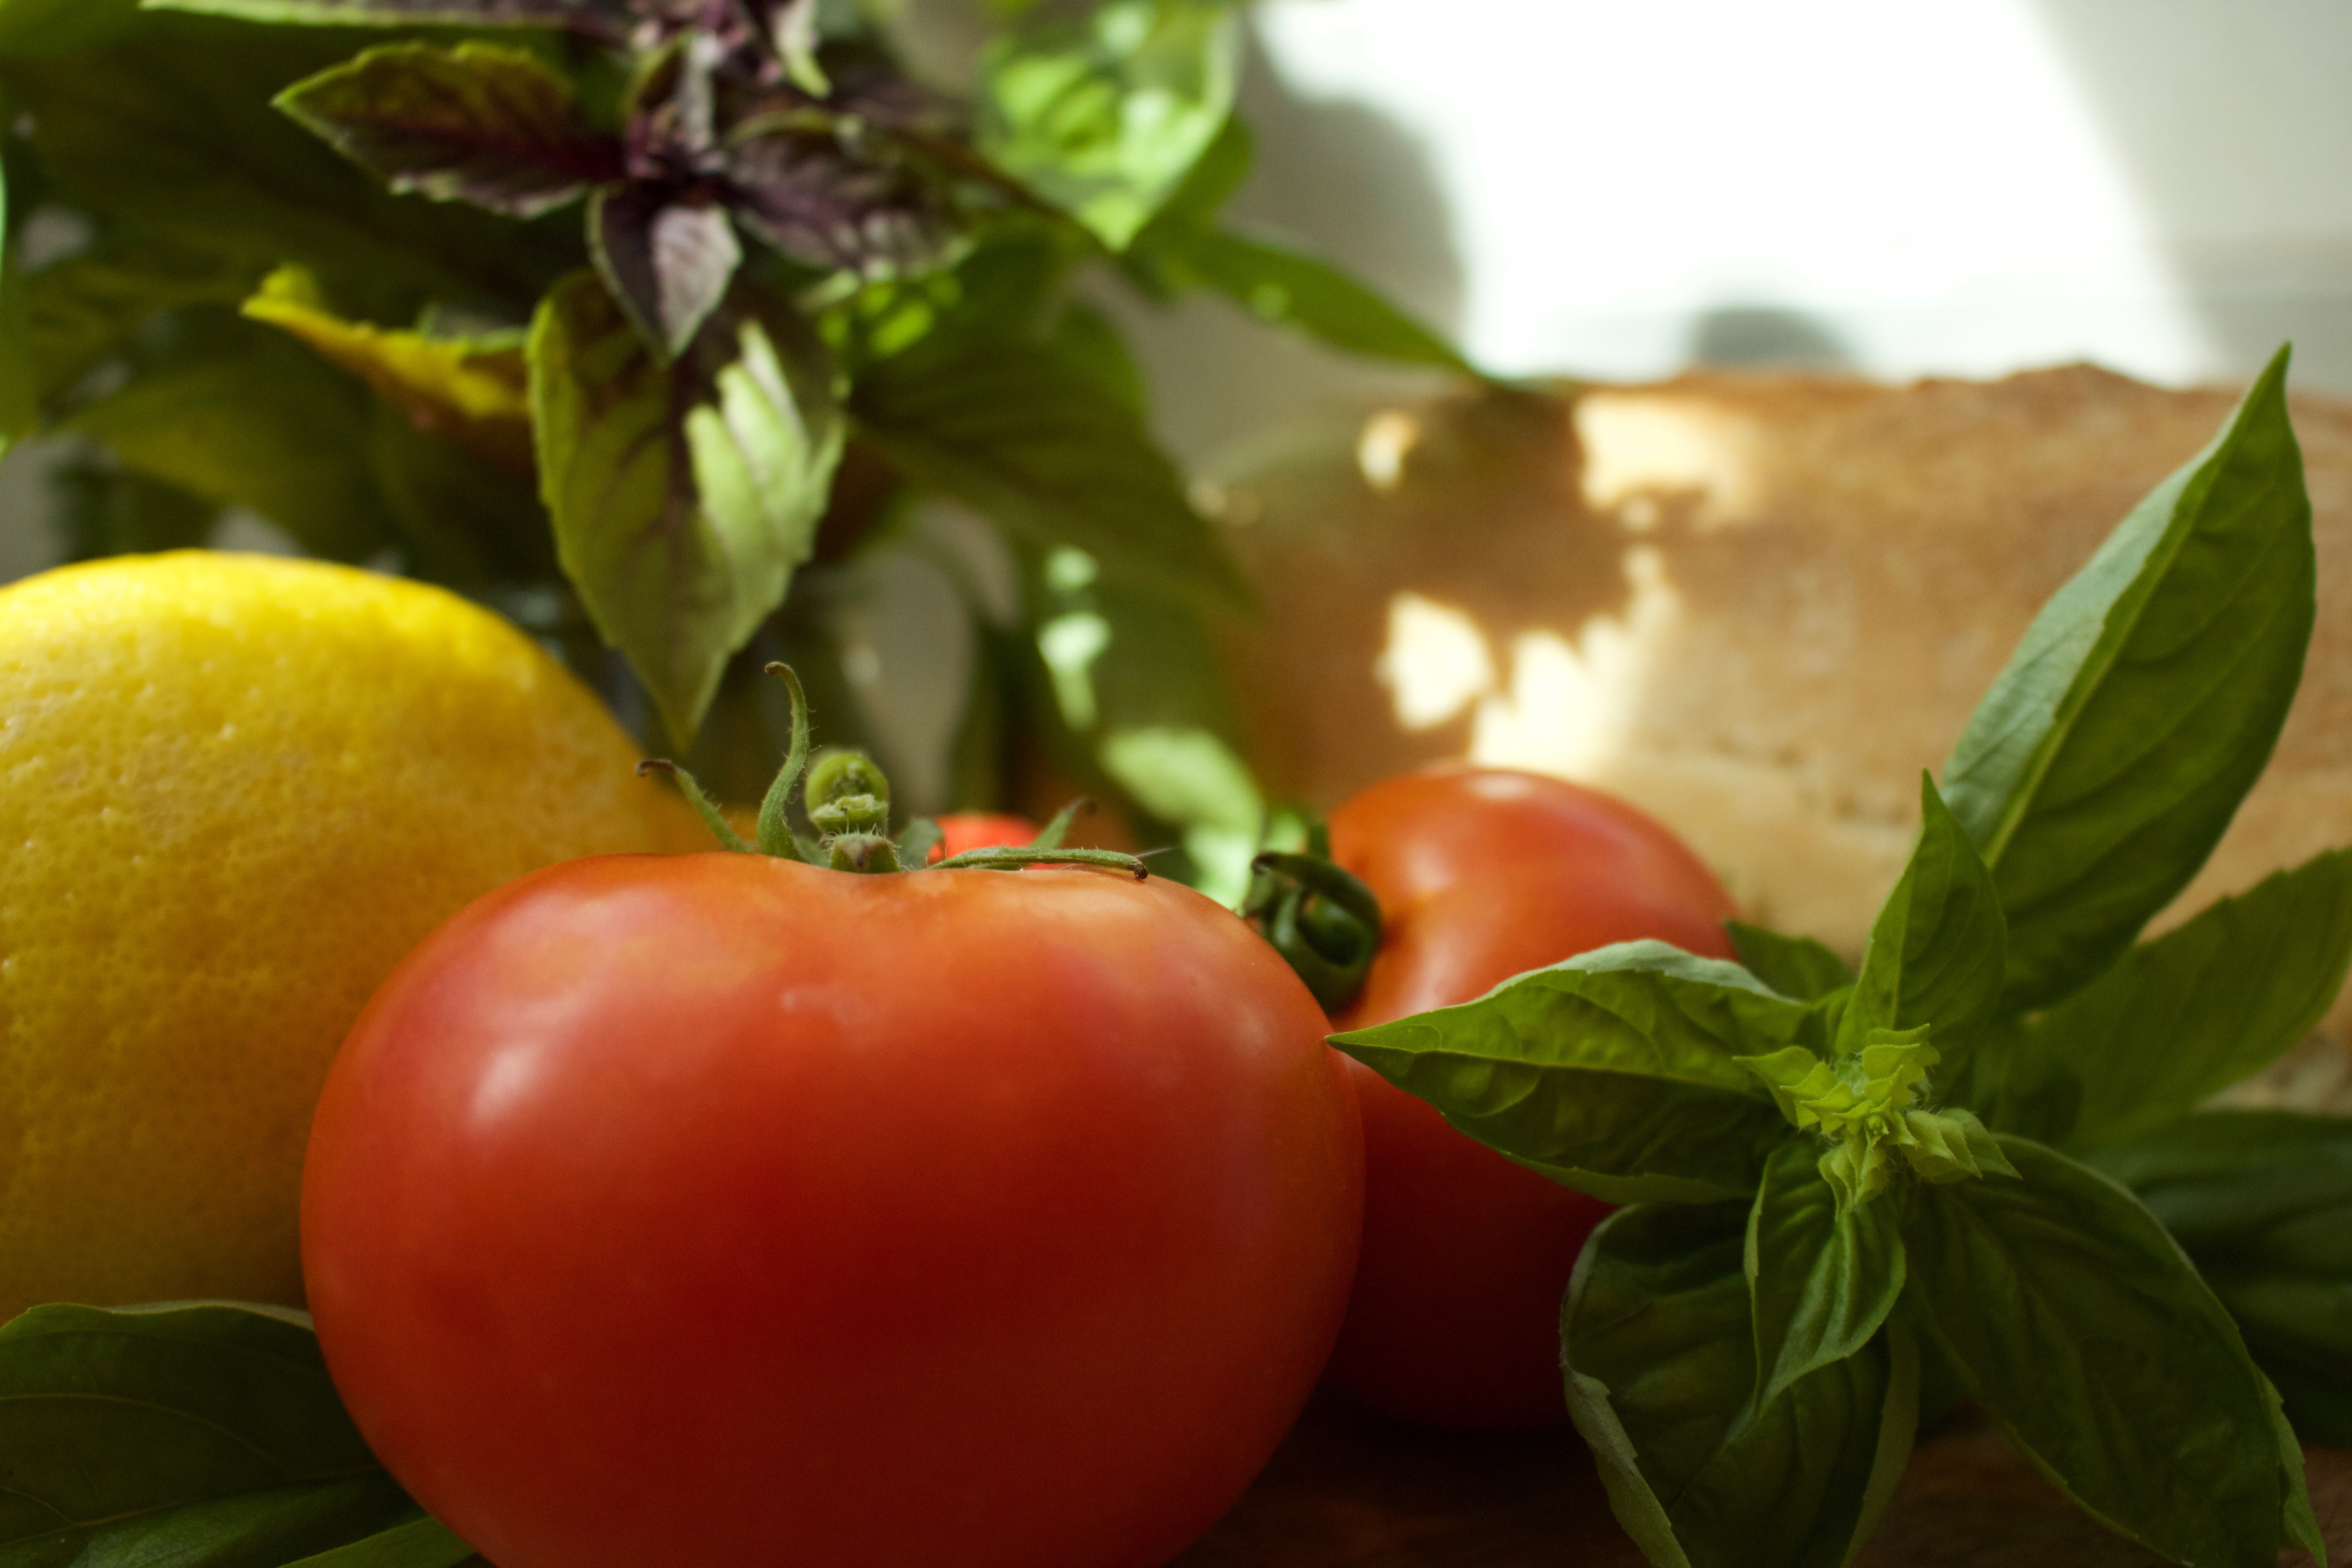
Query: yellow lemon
x: 234, y: 791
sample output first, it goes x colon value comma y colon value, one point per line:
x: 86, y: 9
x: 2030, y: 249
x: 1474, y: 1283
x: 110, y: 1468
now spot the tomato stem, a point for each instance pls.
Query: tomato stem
x: 847, y: 797
x: 1051, y: 836
x: 721, y: 829
x: 1012, y: 857
x: 776, y: 832
x: 1325, y: 922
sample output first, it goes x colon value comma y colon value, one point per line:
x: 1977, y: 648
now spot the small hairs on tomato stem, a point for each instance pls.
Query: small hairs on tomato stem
x: 847, y: 798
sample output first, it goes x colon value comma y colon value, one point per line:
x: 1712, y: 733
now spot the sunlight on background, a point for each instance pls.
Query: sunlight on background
x: 1899, y: 188
x: 1566, y: 705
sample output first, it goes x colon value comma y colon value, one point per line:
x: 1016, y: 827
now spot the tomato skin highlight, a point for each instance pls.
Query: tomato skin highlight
x: 717, y: 1210
x: 1483, y: 874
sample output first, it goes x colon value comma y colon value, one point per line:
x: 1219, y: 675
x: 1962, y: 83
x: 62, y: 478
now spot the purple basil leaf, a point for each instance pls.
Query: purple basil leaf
x: 815, y: 200
x: 694, y: 101
x: 602, y: 19
x: 671, y: 113
x: 478, y: 123
x: 665, y: 259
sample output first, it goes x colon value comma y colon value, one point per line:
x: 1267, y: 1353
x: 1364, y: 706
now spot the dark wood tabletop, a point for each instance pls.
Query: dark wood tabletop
x: 1350, y: 1490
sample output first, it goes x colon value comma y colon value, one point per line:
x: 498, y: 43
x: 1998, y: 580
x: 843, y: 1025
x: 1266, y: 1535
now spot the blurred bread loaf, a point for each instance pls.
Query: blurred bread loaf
x: 1755, y: 605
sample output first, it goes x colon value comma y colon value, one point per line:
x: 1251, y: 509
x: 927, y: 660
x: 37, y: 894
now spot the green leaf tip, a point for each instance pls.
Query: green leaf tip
x: 2110, y: 755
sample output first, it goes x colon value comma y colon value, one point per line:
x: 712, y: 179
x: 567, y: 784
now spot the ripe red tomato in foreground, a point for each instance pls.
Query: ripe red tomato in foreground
x: 1481, y: 875
x: 717, y: 1211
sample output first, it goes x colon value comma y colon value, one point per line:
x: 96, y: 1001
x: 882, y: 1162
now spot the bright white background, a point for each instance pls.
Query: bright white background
x: 1896, y: 187
x: 1621, y: 188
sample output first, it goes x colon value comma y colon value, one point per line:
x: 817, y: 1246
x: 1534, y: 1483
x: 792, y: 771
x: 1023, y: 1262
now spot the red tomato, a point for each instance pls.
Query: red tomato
x: 1483, y: 875
x: 963, y: 830
x: 716, y: 1211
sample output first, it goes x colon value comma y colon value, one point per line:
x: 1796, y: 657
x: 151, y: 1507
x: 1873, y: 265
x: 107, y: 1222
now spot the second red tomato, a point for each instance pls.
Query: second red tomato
x: 1483, y: 874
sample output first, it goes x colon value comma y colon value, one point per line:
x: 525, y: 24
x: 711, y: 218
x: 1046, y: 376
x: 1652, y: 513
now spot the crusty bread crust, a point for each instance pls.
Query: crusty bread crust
x: 1758, y: 606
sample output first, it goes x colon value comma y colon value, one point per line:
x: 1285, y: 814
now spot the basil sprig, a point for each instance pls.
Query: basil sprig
x: 2262, y: 1200
x: 1844, y: 1179
x: 202, y: 1435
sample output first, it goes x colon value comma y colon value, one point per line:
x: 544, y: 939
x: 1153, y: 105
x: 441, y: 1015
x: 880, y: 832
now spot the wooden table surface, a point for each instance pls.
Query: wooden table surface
x: 1348, y: 1490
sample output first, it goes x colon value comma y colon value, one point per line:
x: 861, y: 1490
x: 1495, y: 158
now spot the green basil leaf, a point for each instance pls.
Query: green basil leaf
x: 496, y: 127
x: 1286, y: 287
x: 1105, y: 115
x: 2108, y: 1361
x: 172, y: 123
x: 459, y: 520
x: 1821, y: 1281
x: 596, y: 18
x: 450, y: 441
x: 1191, y: 779
x: 2012, y: 1089
x: 36, y: 27
x: 1934, y: 954
x: 1614, y: 1072
x: 1011, y: 283
x: 2196, y: 1009
x: 681, y: 533
x: 1215, y: 175
x: 1660, y: 1363
x: 475, y: 392
x: 1795, y: 966
x: 1008, y: 426
x: 2262, y: 1201
x: 204, y: 1433
x: 1019, y: 270
x: 86, y: 307
x: 1128, y: 692
x: 419, y: 1543
x: 2144, y: 700
x: 1088, y: 343
x: 261, y: 421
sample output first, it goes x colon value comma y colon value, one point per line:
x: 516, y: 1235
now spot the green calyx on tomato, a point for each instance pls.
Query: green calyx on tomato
x: 847, y: 798
x: 1324, y: 920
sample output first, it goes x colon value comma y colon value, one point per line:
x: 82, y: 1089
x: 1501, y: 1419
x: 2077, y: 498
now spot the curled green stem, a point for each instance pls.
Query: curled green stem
x: 775, y: 830
x: 848, y: 801
x: 1325, y: 922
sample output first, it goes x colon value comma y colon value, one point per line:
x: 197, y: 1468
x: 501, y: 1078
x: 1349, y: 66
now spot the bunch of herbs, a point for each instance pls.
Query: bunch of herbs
x: 621, y: 315
x: 1977, y: 1163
